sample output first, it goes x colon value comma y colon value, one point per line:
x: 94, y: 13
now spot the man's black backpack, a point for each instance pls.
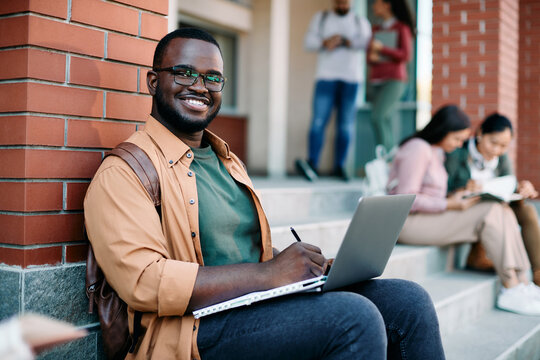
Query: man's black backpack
x: 112, y: 311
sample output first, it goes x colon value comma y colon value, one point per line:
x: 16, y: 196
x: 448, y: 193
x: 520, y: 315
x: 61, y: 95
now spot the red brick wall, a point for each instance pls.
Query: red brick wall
x: 485, y: 59
x: 529, y: 89
x: 71, y: 86
x: 475, y: 56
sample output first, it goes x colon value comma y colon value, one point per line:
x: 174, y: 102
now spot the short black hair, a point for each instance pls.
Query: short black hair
x: 186, y: 33
x: 495, y: 123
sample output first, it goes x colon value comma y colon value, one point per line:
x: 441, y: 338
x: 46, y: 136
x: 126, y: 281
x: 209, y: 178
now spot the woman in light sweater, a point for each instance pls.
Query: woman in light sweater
x: 483, y: 158
x: 435, y: 219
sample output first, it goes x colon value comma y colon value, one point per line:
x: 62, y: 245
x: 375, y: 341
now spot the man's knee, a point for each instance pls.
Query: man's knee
x: 354, y: 313
x: 344, y: 325
x: 416, y: 301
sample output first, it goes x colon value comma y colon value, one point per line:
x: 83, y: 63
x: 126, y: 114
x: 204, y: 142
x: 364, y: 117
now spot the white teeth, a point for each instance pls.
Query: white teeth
x: 195, y: 102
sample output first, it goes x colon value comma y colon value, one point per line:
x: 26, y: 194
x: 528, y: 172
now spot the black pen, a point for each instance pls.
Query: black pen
x: 295, y: 235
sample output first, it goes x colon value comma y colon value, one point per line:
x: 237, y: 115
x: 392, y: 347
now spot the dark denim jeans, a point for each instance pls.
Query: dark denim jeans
x: 329, y: 95
x: 373, y: 320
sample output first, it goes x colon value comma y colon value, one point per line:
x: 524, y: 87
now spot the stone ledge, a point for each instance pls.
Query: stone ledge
x: 56, y: 291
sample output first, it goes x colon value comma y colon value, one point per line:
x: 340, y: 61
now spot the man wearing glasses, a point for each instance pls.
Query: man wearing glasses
x: 213, y: 243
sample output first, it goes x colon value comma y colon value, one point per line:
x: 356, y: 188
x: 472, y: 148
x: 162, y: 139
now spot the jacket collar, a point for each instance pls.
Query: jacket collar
x: 175, y: 149
x: 478, y: 160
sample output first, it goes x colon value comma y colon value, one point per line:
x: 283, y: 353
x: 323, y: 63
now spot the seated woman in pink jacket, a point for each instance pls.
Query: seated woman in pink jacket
x: 418, y: 168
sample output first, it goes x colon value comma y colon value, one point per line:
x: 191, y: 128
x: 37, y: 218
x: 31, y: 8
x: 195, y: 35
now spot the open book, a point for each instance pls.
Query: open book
x: 501, y: 188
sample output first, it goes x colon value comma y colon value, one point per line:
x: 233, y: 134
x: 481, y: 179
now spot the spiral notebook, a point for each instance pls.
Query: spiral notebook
x: 301, y: 286
x: 363, y: 254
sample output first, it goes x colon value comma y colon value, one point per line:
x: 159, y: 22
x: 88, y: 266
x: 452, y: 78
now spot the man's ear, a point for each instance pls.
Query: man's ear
x: 151, y: 82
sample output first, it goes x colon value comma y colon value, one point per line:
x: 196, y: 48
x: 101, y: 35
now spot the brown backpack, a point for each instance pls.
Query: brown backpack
x: 112, y: 311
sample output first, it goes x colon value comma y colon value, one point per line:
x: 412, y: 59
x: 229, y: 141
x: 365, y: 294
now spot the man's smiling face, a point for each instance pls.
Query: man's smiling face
x: 188, y: 108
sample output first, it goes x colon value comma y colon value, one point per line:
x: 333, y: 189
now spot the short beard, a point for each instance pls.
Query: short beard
x: 179, y: 121
x: 342, y: 12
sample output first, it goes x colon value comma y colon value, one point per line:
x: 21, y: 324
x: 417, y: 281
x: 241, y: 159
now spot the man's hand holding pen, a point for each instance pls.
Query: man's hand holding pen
x: 299, y: 261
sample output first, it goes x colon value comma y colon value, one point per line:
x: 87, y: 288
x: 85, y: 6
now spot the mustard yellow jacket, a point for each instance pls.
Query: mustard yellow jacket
x: 153, y: 264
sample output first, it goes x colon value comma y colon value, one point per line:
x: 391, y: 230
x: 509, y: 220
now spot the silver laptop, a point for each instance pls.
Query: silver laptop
x: 363, y: 254
x: 369, y: 240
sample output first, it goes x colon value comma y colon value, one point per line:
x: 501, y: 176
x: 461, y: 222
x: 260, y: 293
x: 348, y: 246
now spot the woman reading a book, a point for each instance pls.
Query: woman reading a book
x: 438, y: 219
x: 483, y: 158
x: 388, y: 54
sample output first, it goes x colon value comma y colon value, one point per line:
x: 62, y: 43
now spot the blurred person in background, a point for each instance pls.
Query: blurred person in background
x: 389, y: 52
x: 482, y: 158
x: 441, y: 220
x: 337, y: 36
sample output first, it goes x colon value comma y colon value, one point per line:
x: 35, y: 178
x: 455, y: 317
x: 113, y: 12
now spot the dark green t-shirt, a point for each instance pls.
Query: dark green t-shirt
x: 228, y: 223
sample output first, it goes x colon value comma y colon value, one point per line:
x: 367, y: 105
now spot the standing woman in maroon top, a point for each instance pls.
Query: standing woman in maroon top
x: 389, y: 52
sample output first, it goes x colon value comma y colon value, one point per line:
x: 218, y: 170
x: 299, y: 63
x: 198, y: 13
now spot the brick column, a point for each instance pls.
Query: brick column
x: 475, y: 56
x: 528, y: 151
x: 72, y: 85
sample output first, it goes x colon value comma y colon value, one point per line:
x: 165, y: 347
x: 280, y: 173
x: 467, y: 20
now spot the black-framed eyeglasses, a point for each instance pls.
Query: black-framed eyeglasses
x: 188, y: 77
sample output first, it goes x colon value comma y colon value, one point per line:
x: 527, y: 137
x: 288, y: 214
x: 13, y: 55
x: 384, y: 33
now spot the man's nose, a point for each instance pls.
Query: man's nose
x: 199, y: 84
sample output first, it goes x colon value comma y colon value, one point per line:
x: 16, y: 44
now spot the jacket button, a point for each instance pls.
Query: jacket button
x: 191, y: 201
x: 190, y: 173
x: 170, y: 161
x: 189, y: 155
x: 193, y: 234
x: 194, y: 327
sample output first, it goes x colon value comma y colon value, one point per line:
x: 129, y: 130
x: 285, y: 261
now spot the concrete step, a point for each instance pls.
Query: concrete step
x: 297, y: 200
x: 471, y: 327
x: 460, y: 297
x: 326, y: 233
x: 498, y: 335
x: 415, y: 263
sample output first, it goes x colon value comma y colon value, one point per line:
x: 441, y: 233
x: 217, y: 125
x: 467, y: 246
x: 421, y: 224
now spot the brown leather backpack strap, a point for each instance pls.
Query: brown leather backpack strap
x: 145, y: 170
x: 143, y: 167
x: 93, y: 275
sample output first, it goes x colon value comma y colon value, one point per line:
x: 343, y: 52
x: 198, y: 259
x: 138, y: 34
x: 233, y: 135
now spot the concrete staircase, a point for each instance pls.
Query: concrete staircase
x: 471, y: 326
